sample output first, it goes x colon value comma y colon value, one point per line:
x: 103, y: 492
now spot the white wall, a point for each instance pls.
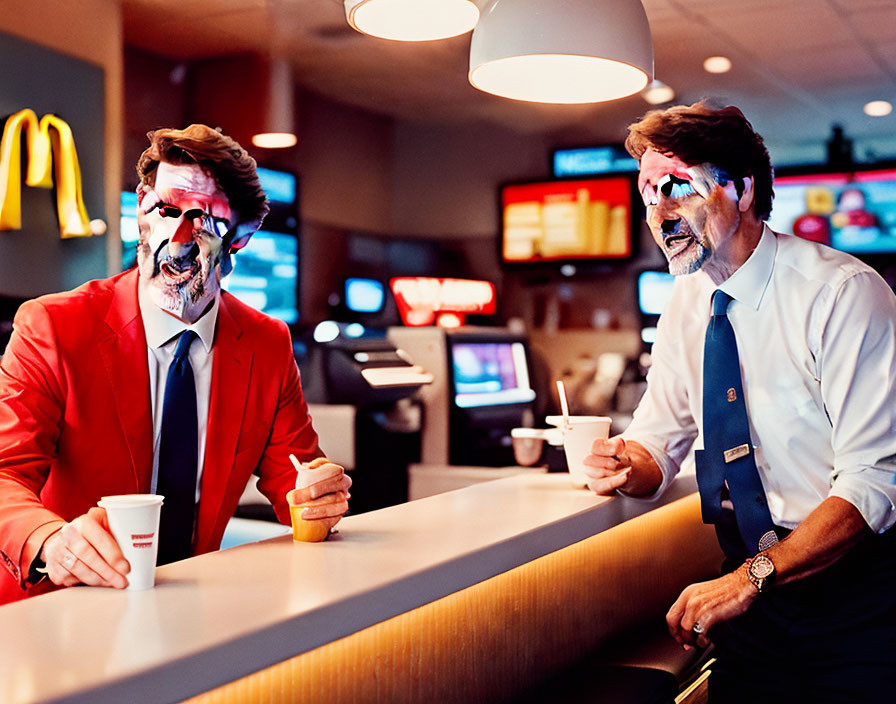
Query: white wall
x: 447, y: 177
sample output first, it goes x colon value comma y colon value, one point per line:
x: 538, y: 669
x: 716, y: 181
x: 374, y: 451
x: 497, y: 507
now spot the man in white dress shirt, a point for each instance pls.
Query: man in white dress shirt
x: 813, y: 616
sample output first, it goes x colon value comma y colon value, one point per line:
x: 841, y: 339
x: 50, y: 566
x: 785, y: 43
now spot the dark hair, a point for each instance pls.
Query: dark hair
x: 699, y: 134
x: 228, y: 162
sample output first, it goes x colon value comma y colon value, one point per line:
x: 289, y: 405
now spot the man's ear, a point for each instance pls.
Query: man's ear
x: 745, y: 201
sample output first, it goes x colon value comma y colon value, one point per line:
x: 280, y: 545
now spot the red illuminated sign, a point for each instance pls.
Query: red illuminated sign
x: 425, y: 300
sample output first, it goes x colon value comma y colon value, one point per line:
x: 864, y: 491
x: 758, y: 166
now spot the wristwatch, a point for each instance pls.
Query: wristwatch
x: 760, y: 571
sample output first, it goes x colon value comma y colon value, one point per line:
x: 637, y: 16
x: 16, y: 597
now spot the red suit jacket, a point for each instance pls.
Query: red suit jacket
x: 76, y: 424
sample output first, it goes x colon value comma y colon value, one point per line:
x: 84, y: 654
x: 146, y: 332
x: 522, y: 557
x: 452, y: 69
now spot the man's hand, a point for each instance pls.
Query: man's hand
x: 709, y: 603
x: 84, y: 552
x: 324, y: 486
x: 608, y: 466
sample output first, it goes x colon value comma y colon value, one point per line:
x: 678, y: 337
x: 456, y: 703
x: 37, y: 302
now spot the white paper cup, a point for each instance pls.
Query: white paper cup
x: 577, y: 440
x: 134, y: 522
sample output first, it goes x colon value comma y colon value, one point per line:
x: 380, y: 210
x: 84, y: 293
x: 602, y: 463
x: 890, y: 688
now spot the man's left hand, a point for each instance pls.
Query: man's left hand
x: 708, y: 604
x: 327, y: 492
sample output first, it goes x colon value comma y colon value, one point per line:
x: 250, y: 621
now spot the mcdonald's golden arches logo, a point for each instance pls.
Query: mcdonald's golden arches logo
x: 49, y: 137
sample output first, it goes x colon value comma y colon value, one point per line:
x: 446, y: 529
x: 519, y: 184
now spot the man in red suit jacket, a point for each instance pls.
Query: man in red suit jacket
x: 82, y: 379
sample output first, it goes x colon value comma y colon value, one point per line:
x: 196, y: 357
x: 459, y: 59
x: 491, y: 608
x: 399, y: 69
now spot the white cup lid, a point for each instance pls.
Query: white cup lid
x: 575, y: 420
x: 529, y: 433
x: 127, y: 500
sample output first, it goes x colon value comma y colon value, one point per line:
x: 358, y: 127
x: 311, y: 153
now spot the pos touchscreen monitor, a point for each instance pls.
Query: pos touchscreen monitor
x: 490, y: 393
x: 489, y: 373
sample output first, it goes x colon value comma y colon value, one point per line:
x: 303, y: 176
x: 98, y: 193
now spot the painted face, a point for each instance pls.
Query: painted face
x: 182, y: 220
x: 692, y: 211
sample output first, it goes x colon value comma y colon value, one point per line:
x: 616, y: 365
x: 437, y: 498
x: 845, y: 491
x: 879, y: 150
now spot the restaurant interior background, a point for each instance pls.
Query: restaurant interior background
x: 400, y: 162
x: 398, y: 169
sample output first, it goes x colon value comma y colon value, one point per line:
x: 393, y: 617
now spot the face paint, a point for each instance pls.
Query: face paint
x: 182, y: 219
x: 691, y: 210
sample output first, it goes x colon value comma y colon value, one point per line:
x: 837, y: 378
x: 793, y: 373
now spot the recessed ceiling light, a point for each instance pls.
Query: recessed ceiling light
x: 878, y: 108
x: 717, y: 64
x: 657, y: 93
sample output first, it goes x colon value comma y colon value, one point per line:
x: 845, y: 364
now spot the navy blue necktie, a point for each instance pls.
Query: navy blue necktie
x: 728, y: 456
x: 178, y: 456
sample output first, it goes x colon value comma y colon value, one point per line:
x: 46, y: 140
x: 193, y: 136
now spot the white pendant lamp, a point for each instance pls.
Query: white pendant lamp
x: 412, y: 20
x: 277, y: 126
x: 657, y: 93
x: 562, y: 51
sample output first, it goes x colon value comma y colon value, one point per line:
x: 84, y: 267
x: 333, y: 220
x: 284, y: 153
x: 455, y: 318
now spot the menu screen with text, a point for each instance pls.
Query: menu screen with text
x: 557, y: 220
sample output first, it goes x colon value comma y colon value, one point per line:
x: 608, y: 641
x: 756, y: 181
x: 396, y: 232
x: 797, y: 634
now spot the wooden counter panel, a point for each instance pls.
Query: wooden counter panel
x: 493, y: 640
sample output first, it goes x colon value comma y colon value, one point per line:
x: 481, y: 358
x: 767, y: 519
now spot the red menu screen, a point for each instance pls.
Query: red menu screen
x: 561, y: 220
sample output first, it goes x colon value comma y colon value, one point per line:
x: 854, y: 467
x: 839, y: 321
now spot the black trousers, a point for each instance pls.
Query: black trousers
x: 830, y: 637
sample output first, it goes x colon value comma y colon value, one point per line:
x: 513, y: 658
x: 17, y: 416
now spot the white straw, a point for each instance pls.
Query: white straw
x: 295, y: 463
x: 564, y: 406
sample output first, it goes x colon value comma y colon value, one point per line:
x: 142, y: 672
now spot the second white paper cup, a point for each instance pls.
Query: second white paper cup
x: 134, y: 522
x: 577, y: 440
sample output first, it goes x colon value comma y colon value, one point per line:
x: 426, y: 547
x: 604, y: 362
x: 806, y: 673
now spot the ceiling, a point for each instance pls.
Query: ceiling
x: 799, y: 66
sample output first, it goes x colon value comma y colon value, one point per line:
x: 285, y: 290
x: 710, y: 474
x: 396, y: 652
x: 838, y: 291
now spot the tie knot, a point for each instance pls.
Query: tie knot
x: 720, y: 301
x: 183, y: 344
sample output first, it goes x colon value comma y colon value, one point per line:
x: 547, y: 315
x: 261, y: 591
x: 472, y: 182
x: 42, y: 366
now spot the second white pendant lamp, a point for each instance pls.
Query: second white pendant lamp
x: 561, y: 51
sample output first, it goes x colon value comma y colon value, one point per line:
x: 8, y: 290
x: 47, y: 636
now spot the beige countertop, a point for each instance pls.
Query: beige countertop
x: 213, y: 618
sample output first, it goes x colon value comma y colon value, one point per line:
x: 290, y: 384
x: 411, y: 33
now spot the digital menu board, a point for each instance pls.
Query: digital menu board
x: 567, y: 220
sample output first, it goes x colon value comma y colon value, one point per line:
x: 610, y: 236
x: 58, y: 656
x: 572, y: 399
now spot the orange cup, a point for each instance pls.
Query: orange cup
x: 304, y: 531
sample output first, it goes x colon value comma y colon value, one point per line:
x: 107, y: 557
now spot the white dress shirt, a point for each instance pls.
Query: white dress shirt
x: 816, y: 337
x: 161, y: 330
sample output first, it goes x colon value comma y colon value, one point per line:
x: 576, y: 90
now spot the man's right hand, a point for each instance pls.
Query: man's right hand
x: 84, y: 552
x: 608, y: 466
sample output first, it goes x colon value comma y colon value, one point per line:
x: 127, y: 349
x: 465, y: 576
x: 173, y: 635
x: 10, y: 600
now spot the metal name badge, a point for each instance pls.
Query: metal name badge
x: 737, y: 452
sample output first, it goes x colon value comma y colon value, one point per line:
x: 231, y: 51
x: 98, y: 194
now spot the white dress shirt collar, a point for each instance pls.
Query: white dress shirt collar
x: 161, y: 327
x: 749, y: 283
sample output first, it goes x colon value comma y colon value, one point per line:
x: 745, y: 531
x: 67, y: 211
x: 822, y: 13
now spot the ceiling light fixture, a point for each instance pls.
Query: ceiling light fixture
x: 878, y: 108
x: 657, y: 93
x: 717, y: 64
x: 575, y: 51
x: 412, y: 20
x: 277, y: 128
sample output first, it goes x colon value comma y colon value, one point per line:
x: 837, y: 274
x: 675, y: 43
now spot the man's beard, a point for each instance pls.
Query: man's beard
x: 684, y: 250
x: 180, y: 283
x: 688, y: 260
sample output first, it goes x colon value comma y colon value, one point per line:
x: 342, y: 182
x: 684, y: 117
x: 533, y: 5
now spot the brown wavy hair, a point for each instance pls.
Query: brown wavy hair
x: 230, y: 164
x: 701, y: 133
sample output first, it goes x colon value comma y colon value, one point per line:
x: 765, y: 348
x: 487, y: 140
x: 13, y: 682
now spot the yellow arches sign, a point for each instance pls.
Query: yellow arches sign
x: 50, y: 137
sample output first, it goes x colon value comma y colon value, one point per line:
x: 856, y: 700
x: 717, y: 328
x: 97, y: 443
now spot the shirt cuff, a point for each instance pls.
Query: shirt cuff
x: 668, y: 469
x: 33, y: 546
x: 863, y: 488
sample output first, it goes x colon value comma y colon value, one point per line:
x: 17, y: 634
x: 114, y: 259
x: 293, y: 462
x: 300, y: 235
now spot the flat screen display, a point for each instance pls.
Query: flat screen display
x: 567, y: 220
x: 854, y: 212
x: 654, y: 291
x: 364, y: 295
x: 490, y: 374
x: 265, y: 275
x: 592, y: 160
x: 130, y: 232
x: 279, y: 186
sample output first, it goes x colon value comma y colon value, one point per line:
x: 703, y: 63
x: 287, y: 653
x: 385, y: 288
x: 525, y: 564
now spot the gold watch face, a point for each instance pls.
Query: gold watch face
x: 761, y: 567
